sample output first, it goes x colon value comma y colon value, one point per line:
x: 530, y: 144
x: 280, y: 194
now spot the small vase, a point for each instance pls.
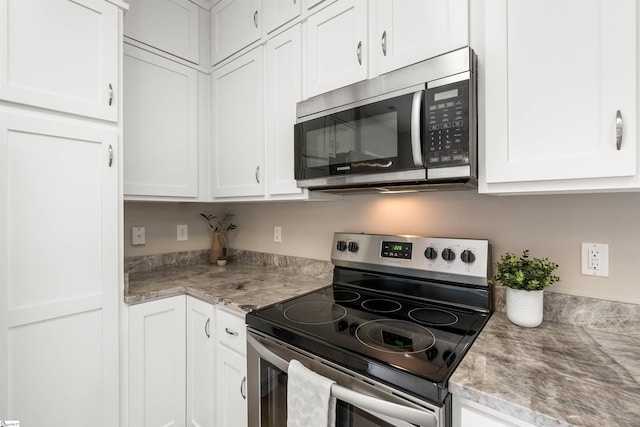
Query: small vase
x: 222, y: 262
x: 524, y: 308
x: 217, y: 248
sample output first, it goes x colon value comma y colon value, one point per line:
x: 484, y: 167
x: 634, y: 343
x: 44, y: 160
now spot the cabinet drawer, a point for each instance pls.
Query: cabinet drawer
x: 231, y: 330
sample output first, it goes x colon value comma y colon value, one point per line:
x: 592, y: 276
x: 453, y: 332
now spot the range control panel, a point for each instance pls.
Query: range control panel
x: 429, y: 257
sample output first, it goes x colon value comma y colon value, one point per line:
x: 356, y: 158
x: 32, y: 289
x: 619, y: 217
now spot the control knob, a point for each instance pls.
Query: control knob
x: 430, y: 253
x: 467, y: 256
x: 448, y: 254
x: 353, y: 247
x: 341, y: 246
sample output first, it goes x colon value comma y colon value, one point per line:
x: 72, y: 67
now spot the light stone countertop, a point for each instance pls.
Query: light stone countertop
x: 240, y: 287
x: 553, y: 375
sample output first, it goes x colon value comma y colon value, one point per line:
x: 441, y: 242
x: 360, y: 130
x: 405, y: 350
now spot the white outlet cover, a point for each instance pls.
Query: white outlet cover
x: 138, y: 236
x: 602, y: 252
x: 182, y: 232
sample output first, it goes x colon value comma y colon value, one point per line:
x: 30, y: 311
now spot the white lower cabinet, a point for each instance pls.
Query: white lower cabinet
x: 231, y: 370
x: 467, y: 413
x: 200, y: 363
x: 157, y: 359
x: 187, y: 365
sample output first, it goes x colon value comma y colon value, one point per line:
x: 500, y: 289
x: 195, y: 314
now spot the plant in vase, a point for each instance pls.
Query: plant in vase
x: 219, y: 225
x: 525, y: 279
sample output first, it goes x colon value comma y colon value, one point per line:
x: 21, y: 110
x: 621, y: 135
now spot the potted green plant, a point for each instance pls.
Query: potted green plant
x: 525, y: 279
x: 219, y: 225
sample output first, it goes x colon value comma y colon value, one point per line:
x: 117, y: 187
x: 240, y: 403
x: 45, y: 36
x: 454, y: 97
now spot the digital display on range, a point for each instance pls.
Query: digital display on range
x: 396, y: 250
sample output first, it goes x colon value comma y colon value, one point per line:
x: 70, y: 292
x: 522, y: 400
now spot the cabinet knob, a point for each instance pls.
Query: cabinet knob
x: 359, y: 53
x: 619, y: 130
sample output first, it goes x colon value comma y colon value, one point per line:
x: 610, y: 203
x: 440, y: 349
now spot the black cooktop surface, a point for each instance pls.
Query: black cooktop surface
x: 404, y: 341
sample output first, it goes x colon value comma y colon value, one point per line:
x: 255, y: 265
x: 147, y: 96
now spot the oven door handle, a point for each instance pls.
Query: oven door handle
x: 373, y: 405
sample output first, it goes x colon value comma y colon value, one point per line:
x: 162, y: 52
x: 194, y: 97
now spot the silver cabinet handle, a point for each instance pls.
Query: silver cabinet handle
x: 258, y: 174
x: 206, y: 328
x: 359, y: 53
x: 110, y: 155
x: 384, y: 43
x: 243, y: 386
x: 619, y: 130
x: 231, y: 332
x: 255, y: 18
x: 110, y: 94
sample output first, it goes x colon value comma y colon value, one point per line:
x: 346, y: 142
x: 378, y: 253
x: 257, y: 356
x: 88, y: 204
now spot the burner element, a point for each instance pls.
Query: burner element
x: 433, y: 316
x: 395, y: 336
x: 381, y: 305
x: 315, y: 313
x: 341, y: 295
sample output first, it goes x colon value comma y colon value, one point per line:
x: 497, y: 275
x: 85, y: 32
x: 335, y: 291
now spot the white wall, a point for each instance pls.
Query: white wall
x: 550, y: 226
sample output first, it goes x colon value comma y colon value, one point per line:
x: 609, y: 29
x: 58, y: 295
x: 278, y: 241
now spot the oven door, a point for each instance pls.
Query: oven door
x: 378, y: 141
x: 360, y: 402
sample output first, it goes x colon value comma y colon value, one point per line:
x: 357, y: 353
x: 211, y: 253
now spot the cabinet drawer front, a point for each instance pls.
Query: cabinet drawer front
x: 231, y: 330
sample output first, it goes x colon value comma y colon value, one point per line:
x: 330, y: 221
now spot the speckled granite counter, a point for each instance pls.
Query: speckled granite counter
x: 248, y: 283
x: 554, y: 375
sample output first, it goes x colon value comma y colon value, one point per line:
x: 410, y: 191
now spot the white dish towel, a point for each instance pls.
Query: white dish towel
x: 309, y: 400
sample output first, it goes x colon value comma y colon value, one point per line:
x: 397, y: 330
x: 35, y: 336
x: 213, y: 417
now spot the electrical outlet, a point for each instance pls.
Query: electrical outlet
x: 138, y: 236
x: 183, y: 232
x: 595, y: 259
x: 277, y: 234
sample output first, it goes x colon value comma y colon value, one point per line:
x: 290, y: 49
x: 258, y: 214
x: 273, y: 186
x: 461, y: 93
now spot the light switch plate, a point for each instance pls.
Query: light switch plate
x: 182, y: 232
x: 138, y: 236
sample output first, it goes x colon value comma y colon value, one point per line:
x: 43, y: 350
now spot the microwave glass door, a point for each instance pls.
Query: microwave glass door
x: 371, y: 138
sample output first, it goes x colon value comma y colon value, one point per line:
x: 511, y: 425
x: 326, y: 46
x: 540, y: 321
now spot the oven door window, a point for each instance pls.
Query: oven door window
x: 273, y: 403
x: 372, y: 138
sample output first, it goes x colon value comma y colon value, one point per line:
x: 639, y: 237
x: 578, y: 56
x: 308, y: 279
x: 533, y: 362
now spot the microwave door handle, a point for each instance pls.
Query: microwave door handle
x: 416, y: 110
x: 375, y: 406
x: 383, y: 408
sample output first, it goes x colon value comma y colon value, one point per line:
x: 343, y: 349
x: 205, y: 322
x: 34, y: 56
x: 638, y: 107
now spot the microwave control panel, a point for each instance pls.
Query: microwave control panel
x: 447, y: 133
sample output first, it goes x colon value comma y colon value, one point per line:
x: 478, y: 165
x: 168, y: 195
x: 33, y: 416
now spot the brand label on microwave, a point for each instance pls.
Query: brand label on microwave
x: 343, y: 168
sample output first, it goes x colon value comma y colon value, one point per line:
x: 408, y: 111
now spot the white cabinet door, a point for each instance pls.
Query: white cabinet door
x: 169, y: 25
x: 235, y: 24
x: 336, y: 46
x: 58, y: 270
x: 231, y: 388
x: 160, y: 126
x: 238, y: 132
x: 409, y: 31
x: 279, y: 12
x: 200, y: 363
x: 552, y: 96
x: 60, y: 55
x: 471, y: 414
x: 231, y: 369
x: 284, y: 74
x: 157, y: 360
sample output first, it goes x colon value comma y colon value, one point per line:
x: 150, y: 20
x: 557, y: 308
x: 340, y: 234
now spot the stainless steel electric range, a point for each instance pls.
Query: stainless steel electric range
x: 398, y: 318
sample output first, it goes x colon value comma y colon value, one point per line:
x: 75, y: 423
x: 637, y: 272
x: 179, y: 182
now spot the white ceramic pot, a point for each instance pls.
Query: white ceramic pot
x: 524, y: 308
x: 221, y: 262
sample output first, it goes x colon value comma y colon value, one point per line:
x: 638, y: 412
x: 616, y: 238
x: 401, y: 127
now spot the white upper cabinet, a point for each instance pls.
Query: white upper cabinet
x: 336, y: 46
x: 559, y: 87
x: 279, y: 12
x: 409, y: 31
x: 160, y: 126
x: 235, y: 24
x: 53, y: 55
x: 238, y: 126
x: 169, y: 25
x: 284, y: 90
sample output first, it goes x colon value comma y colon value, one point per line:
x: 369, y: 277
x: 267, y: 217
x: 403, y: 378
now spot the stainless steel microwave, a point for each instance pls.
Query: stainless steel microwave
x: 411, y: 129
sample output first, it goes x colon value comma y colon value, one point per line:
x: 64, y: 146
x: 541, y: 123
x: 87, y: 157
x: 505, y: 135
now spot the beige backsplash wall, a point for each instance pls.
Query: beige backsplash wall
x: 549, y: 225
